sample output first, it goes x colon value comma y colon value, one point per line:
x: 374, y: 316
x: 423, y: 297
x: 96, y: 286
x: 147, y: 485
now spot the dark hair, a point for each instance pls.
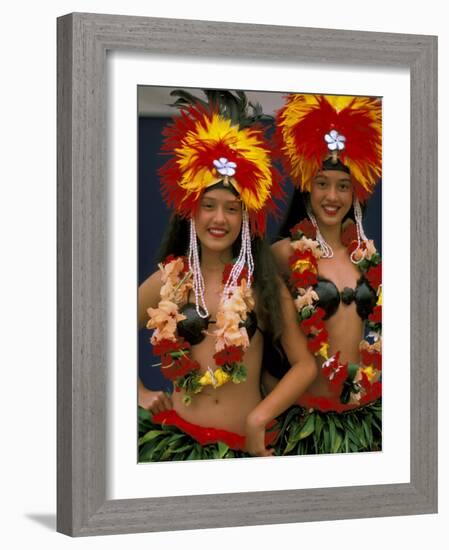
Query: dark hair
x: 266, y: 281
x: 175, y: 240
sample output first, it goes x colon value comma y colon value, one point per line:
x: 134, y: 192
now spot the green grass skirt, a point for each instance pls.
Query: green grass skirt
x: 307, y: 432
x: 302, y: 432
x: 162, y: 443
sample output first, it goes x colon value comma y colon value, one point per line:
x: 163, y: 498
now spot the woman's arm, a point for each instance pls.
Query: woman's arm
x: 269, y: 382
x: 297, y: 379
x: 154, y: 401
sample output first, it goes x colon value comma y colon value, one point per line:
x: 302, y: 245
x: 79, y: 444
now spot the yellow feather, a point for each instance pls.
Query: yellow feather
x: 243, y: 141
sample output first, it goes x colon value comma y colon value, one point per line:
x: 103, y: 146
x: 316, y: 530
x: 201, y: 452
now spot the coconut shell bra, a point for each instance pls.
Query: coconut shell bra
x: 330, y: 298
x: 317, y: 299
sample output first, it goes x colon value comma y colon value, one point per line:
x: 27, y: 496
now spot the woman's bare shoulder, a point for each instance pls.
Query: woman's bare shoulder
x: 282, y: 251
x: 154, y: 281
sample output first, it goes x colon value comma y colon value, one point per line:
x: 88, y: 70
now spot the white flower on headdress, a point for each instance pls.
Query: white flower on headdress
x: 225, y: 167
x: 335, y: 141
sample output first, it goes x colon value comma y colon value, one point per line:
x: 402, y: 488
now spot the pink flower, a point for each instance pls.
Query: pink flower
x: 164, y: 319
x: 307, y: 244
x: 228, y: 332
x: 370, y: 249
x: 173, y: 273
x: 232, y: 312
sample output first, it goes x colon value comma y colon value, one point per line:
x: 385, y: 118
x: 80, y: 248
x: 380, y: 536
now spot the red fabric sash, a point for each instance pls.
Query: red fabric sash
x: 332, y: 403
x: 208, y: 435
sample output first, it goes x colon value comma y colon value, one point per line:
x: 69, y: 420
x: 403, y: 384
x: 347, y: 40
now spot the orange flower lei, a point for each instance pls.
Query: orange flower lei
x: 231, y: 337
x: 351, y: 383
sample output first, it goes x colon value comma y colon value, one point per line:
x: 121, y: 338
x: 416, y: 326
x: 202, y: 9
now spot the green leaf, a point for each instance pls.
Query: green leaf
x: 354, y: 440
x: 144, y: 421
x: 163, y: 443
x: 308, y: 427
x: 368, y: 432
x: 353, y: 369
x: 306, y: 312
x: 194, y: 454
x: 222, y: 449
x: 286, y: 421
x: 144, y: 414
x: 290, y: 446
x: 149, y: 436
x: 144, y: 427
x: 377, y: 425
x: 332, y: 433
x: 318, y: 426
x: 337, y: 442
x: 239, y: 373
x: 295, y: 432
x: 175, y: 439
x: 166, y: 454
x: 361, y: 436
x: 182, y: 449
x: 338, y: 422
x: 326, y: 439
x: 146, y: 453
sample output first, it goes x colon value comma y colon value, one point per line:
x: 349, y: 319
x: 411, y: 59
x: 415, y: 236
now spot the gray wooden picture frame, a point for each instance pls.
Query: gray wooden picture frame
x: 83, y: 41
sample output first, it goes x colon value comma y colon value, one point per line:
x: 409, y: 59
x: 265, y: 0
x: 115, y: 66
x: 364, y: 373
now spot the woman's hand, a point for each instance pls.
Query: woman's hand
x: 154, y: 401
x: 255, y: 437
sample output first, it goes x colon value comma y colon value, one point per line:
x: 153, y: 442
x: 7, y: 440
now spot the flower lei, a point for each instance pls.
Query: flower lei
x: 231, y: 337
x: 350, y: 383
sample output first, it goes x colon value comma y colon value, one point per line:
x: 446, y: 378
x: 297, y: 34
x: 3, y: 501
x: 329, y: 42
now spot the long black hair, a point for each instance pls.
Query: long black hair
x: 266, y: 280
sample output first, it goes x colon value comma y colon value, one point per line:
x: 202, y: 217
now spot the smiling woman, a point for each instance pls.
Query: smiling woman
x: 331, y: 197
x: 219, y: 218
x: 217, y: 297
x: 331, y: 147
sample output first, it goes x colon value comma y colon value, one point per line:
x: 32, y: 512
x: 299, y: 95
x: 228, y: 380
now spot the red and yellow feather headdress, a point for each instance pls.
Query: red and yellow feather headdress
x: 313, y: 128
x: 208, y: 147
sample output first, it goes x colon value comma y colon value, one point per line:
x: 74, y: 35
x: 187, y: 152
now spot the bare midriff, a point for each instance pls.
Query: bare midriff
x: 227, y: 406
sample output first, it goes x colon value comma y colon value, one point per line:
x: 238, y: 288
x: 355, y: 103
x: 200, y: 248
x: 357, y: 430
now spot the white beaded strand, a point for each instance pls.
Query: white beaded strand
x: 325, y: 247
x: 361, y: 237
x: 195, y: 268
x: 244, y: 258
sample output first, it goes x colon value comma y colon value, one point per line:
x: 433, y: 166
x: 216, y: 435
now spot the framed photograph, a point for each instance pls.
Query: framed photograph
x: 161, y: 111
x: 104, y: 63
